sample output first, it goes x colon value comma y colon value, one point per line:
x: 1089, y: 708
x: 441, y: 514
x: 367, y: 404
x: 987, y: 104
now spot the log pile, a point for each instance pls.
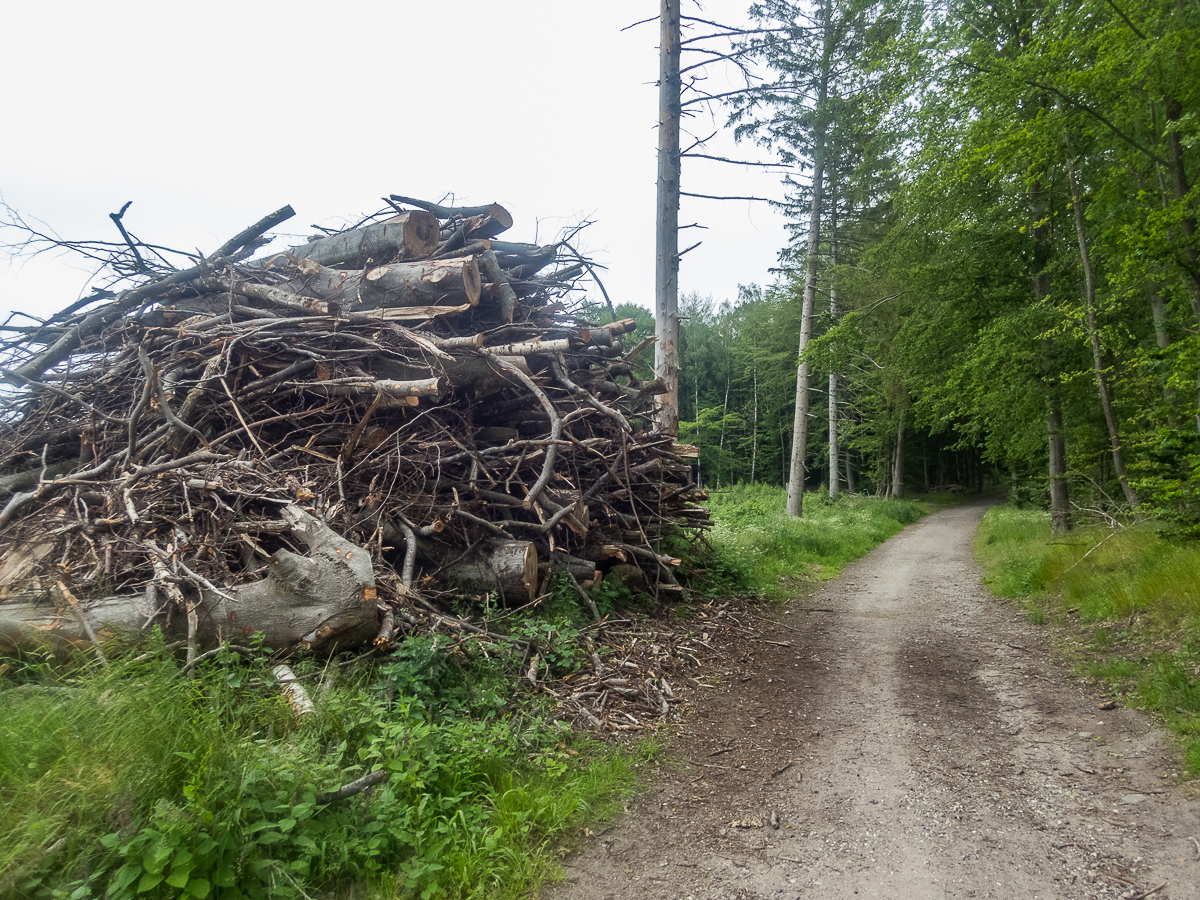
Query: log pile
x: 301, y: 444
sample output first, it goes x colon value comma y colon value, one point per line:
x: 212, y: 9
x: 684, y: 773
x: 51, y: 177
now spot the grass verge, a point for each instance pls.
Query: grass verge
x: 131, y: 781
x: 757, y: 546
x: 1128, y: 602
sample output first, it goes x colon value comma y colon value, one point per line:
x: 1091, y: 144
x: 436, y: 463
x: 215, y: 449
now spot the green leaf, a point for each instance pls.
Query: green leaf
x: 149, y: 881
x: 179, y: 878
x: 199, y: 888
x: 224, y: 877
x: 156, y: 859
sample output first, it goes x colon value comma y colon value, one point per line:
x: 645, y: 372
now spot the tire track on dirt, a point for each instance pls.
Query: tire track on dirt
x: 912, y: 740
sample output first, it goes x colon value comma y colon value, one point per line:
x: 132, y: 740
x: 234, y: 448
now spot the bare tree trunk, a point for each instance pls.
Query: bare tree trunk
x: 1089, y: 297
x: 754, y: 430
x: 1060, y: 513
x: 666, y: 271
x: 898, y: 463
x: 849, y: 474
x: 795, y: 498
x: 724, y: 413
x: 833, y: 383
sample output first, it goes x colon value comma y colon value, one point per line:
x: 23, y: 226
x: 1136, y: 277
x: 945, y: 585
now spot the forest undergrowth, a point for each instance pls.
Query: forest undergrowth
x: 1125, y: 601
x: 138, y: 779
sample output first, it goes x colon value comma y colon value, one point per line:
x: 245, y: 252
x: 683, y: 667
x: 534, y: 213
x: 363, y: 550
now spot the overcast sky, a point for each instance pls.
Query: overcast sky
x: 210, y: 115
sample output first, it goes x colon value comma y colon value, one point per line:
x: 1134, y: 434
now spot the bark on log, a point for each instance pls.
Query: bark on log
x: 507, y: 567
x: 473, y: 372
x: 429, y: 283
x: 318, y: 601
x: 494, y: 210
x: 582, y: 569
x: 412, y: 235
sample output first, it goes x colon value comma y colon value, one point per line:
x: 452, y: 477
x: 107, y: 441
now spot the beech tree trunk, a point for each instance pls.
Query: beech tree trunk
x: 1089, y: 297
x: 507, y: 567
x: 897, y: 491
x: 1060, y: 501
x: 411, y: 235
x: 426, y: 282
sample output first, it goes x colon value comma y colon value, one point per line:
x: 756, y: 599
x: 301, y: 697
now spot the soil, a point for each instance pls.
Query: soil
x: 901, y: 733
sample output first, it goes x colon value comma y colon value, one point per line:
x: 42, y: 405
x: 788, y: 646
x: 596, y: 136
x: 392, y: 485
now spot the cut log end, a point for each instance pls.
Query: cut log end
x: 421, y: 234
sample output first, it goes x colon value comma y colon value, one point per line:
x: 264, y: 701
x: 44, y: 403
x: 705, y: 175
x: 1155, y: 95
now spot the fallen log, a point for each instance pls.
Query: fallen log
x: 508, y: 568
x: 422, y: 283
x: 410, y: 235
x: 318, y: 601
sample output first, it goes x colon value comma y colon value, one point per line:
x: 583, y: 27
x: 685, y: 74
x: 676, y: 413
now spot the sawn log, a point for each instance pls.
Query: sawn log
x: 322, y: 600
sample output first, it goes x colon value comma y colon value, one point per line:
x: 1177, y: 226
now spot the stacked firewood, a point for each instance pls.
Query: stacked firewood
x: 301, y: 444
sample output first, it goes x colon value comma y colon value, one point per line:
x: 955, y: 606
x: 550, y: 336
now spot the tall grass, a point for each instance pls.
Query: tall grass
x: 1134, y: 593
x: 757, y: 544
x: 133, y: 782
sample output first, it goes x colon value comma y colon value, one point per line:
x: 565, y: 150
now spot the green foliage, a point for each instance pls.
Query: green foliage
x: 206, y: 786
x: 755, y: 544
x: 1130, y: 591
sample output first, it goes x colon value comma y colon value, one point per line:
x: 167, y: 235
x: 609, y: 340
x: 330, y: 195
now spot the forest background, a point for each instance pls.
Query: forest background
x: 993, y: 210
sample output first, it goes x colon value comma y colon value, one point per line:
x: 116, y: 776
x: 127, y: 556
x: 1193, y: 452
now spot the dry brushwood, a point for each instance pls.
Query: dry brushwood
x: 306, y: 444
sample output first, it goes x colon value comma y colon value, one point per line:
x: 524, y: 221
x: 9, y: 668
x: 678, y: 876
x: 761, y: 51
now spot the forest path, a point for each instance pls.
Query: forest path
x: 914, y: 739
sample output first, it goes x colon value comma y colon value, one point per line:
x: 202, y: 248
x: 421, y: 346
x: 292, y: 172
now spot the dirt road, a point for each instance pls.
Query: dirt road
x: 906, y: 736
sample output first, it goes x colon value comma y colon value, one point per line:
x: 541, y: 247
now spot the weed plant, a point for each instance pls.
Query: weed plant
x: 1134, y: 593
x: 756, y: 544
x: 133, y: 782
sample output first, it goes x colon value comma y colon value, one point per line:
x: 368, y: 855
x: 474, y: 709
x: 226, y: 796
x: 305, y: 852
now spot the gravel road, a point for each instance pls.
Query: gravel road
x: 900, y: 733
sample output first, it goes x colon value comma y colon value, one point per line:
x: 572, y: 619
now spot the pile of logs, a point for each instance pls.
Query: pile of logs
x: 305, y: 443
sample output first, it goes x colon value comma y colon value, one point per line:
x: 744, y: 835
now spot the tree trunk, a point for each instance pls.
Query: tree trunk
x: 1060, y: 511
x: 506, y: 567
x: 666, y: 270
x: 320, y: 601
x: 849, y: 474
x: 1180, y: 188
x: 833, y: 383
x: 898, y: 463
x: 410, y: 235
x: 1089, y: 297
x: 795, y: 497
x: 1060, y: 501
x: 754, y: 430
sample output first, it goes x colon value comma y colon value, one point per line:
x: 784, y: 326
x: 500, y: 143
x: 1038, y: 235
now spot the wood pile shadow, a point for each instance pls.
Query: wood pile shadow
x: 330, y: 445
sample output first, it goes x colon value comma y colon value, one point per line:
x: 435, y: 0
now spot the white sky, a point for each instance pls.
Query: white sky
x: 210, y: 115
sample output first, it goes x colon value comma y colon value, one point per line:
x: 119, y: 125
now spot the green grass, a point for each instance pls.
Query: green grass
x: 1129, y: 598
x: 132, y: 782
x: 756, y: 544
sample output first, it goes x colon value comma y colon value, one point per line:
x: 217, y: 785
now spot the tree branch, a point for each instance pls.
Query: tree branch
x: 717, y: 197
